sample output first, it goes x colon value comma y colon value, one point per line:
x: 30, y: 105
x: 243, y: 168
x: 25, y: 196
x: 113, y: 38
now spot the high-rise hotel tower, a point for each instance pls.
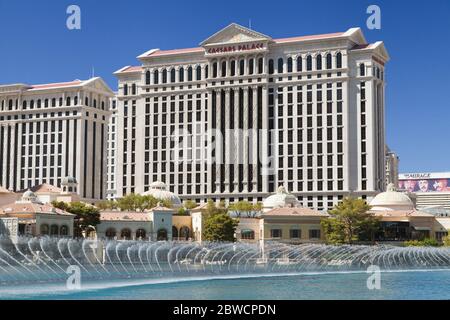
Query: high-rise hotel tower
x: 52, y: 131
x: 243, y: 113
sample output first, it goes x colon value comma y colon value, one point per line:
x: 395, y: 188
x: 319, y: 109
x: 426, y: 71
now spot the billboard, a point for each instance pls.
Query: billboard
x: 425, y: 185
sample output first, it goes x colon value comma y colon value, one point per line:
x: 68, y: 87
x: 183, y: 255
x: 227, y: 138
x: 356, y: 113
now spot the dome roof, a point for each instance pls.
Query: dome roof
x: 69, y: 180
x: 391, y: 200
x: 281, y: 199
x: 159, y: 191
x: 29, y: 194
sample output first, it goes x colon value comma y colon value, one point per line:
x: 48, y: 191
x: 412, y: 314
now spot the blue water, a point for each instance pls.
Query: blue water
x: 347, y: 286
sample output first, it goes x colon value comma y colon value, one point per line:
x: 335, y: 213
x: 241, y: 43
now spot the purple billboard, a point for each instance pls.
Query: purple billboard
x: 425, y: 185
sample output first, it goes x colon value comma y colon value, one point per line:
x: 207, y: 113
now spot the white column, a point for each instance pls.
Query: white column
x: 219, y: 135
x: 227, y: 140
x: 255, y: 139
x: 246, y: 138
x: 237, y: 140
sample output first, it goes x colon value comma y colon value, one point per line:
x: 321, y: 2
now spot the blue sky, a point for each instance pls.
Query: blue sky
x: 36, y: 47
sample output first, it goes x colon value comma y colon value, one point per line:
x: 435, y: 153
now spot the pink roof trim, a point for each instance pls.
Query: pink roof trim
x: 282, y: 40
x: 56, y: 85
x: 311, y: 37
x: 132, y: 69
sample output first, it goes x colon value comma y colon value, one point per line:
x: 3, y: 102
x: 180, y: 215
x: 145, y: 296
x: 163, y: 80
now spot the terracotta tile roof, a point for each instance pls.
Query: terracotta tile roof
x: 37, y: 208
x: 132, y: 69
x: 124, y: 216
x: 43, y: 188
x: 161, y: 208
x: 288, y: 211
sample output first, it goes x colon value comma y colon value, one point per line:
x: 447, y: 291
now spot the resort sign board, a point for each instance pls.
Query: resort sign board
x: 233, y: 48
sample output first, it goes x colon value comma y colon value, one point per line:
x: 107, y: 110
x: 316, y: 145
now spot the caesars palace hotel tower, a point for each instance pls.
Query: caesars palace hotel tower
x: 243, y: 114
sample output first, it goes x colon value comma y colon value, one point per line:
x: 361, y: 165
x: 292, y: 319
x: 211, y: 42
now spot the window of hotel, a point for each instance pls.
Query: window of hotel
x: 147, y: 77
x: 251, y: 65
x: 125, y: 89
x: 181, y: 75
x: 289, y: 64
x: 75, y: 101
x: 172, y: 75
x: 275, y: 233
x: 339, y: 60
x: 299, y: 64
x: 233, y: 68
x: 260, y: 65
x: 189, y: 74
x: 155, y: 77
x: 214, y: 70
x: 362, y: 70
x: 295, y: 233
x: 199, y: 73
x: 271, y: 67
x: 314, y: 234
x: 133, y: 92
x: 241, y: 67
x: 329, y: 61
x: 67, y: 102
x: 224, y: 69
x: 164, y: 76
x: 248, y: 235
x: 308, y: 63
x: 280, y: 65
x: 319, y: 62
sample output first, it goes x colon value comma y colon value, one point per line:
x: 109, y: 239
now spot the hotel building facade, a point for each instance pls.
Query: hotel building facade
x: 52, y: 131
x: 243, y: 114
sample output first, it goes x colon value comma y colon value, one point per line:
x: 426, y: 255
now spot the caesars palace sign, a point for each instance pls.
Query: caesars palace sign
x: 236, y: 48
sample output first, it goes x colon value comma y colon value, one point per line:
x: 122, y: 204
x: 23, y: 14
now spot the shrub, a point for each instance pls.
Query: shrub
x: 422, y: 243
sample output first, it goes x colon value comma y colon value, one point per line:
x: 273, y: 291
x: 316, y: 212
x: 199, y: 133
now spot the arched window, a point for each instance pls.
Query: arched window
x: 125, y: 89
x: 214, y: 70
x: 44, y: 229
x: 161, y: 235
x: 190, y: 74
x: 54, y: 102
x: 251, y: 66
x: 299, y: 64
x: 64, y: 231
x: 339, y: 60
x: 133, y: 92
x: 248, y: 235
x: 271, y: 67
x: 155, y: 77
x: 241, y: 67
x: 110, y: 233
x: 46, y: 102
x: 125, y: 234
x: 308, y: 63
x: 164, y: 76
x: 260, y: 65
x: 223, y: 69
x: 319, y: 62
x: 67, y: 102
x: 39, y: 104
x: 24, y: 104
x: 206, y: 72
x: 280, y: 65
x: 75, y: 101
x: 289, y: 64
x: 174, y: 232
x: 95, y: 100
x: 60, y: 102
x: 54, y: 230
x: 86, y: 100
x: 181, y: 74
x: 172, y: 75
x: 233, y: 68
x: 185, y: 233
x: 329, y: 61
x: 147, y: 77
x: 198, y: 73
x: 141, y: 234
x: 362, y: 69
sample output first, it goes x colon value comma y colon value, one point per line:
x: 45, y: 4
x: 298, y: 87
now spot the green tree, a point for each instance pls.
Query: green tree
x: 246, y: 208
x: 427, y: 242
x: 218, y: 226
x: 139, y: 203
x: 86, y: 216
x: 350, y: 221
x: 189, y: 204
x: 446, y: 240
